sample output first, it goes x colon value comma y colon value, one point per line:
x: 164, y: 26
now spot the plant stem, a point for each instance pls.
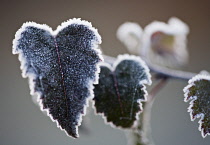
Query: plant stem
x: 141, y: 134
x: 160, y: 70
x: 170, y: 73
x: 157, y: 88
x: 145, y: 122
x: 144, y: 127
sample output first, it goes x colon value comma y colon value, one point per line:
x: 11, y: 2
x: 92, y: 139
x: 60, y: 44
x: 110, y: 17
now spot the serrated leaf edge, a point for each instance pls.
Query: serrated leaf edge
x: 143, y: 83
x: 191, y: 83
x: 31, y: 77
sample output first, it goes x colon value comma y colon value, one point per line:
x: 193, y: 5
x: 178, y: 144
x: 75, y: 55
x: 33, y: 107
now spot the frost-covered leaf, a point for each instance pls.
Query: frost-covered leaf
x: 121, y: 89
x: 62, y: 66
x: 198, y: 92
x: 165, y: 44
x: 130, y: 35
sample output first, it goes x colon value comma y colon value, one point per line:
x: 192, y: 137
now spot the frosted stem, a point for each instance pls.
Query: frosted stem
x: 145, y: 120
x: 142, y: 134
x: 160, y: 70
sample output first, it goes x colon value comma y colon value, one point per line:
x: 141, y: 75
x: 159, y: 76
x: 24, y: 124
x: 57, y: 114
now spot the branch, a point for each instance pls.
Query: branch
x: 141, y: 134
x: 145, y: 124
x: 157, y: 88
x: 162, y: 71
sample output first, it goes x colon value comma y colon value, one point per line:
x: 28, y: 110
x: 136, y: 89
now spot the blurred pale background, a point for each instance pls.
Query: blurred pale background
x: 22, y: 122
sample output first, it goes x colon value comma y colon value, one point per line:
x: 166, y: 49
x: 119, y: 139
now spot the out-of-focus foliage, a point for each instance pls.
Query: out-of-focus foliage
x: 161, y: 43
x: 130, y: 34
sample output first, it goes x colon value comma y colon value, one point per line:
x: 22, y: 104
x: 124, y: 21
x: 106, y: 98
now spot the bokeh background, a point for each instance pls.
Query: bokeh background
x: 22, y: 122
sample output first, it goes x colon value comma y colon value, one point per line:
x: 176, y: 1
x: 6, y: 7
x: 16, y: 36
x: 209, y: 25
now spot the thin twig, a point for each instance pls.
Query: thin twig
x: 170, y: 73
x: 163, y: 71
x: 109, y: 59
x: 146, y: 115
x: 157, y: 88
x: 141, y: 135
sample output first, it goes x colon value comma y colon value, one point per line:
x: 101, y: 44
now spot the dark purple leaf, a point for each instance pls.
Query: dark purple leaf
x: 120, y: 90
x: 61, y: 66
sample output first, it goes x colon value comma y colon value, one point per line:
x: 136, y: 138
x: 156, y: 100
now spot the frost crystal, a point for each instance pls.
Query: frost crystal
x: 62, y: 66
x: 198, y: 92
x: 121, y: 89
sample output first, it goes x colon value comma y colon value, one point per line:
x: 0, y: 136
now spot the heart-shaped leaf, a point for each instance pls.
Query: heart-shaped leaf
x: 62, y: 66
x: 130, y: 34
x: 166, y: 44
x: 120, y: 90
x: 198, y: 91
